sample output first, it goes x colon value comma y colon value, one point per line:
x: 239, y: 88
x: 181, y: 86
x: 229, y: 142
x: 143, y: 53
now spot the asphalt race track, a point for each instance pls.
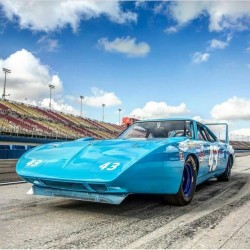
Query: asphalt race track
x: 218, y: 217
x: 7, y: 171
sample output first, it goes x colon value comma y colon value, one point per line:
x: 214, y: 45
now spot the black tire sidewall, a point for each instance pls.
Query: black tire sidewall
x: 226, y: 176
x: 229, y: 166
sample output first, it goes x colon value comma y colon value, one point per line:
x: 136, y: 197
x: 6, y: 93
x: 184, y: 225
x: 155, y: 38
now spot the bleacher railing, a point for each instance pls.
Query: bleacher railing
x: 35, y: 134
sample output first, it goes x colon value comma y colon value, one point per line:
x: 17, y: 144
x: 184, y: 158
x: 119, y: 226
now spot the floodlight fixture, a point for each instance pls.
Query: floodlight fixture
x: 6, y: 71
x: 119, y: 120
x: 81, y: 97
x: 103, y: 106
x: 51, y: 86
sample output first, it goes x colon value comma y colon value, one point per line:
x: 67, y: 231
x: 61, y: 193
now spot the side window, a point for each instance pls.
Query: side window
x: 189, y: 129
x: 210, y: 136
x: 138, y: 132
x: 201, y: 133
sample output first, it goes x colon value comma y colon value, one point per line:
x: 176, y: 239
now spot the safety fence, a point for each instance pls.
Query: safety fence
x: 13, y: 151
x: 13, y: 147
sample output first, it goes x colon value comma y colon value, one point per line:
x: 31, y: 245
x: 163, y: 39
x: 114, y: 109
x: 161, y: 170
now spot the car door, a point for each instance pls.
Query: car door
x: 219, y: 154
x: 205, y: 151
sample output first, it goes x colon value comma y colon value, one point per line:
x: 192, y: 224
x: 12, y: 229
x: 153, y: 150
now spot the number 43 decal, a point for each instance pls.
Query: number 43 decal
x: 33, y: 163
x: 109, y: 166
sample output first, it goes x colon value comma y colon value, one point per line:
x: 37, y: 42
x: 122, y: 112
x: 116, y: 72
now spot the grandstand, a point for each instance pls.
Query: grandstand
x: 19, y: 119
x: 240, y: 145
x: 32, y: 121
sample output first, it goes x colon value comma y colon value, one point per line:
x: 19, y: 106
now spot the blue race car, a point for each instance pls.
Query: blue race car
x: 167, y: 157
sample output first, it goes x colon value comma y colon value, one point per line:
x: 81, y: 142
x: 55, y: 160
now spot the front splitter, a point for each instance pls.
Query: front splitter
x: 85, y: 196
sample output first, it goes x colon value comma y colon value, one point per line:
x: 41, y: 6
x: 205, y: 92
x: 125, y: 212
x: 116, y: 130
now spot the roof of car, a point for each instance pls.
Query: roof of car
x: 167, y: 119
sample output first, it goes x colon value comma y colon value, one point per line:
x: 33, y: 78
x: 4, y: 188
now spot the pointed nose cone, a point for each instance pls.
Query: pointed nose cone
x: 93, y: 161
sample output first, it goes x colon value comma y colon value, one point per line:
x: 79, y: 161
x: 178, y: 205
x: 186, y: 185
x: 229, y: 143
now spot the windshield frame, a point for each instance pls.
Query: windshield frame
x: 124, y: 134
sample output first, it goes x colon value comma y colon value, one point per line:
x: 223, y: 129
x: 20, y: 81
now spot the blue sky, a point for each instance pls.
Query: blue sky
x: 151, y: 59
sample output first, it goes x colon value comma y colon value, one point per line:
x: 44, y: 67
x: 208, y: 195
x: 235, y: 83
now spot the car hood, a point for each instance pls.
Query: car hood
x: 87, y: 160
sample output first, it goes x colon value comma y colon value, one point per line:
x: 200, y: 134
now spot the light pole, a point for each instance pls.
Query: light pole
x: 6, y: 71
x: 119, y: 110
x: 81, y: 97
x: 103, y: 106
x: 50, y: 90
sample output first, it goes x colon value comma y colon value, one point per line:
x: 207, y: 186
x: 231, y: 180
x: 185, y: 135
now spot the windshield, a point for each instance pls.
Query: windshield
x: 158, y: 129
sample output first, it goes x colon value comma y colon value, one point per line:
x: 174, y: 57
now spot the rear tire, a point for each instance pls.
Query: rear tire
x: 227, y: 174
x: 187, y: 186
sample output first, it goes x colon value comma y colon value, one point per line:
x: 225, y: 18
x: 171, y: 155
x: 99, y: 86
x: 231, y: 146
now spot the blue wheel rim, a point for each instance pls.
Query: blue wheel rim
x: 187, y: 180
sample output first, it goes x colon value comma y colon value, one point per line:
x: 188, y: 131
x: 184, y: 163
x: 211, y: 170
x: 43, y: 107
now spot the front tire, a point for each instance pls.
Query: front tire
x: 187, y: 186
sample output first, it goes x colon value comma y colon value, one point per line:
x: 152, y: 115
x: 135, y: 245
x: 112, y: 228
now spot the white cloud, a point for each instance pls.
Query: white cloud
x: 229, y: 38
x: 100, y: 97
x: 29, y: 78
x: 58, y: 105
x: 219, y: 130
x: 159, y: 110
x: 199, y: 57
x: 218, y: 44
x: 48, y: 44
x: 234, y: 108
x: 125, y: 45
x: 206, y: 120
x: 51, y: 15
x: 171, y: 30
x: 160, y: 7
x: 242, y: 131
x: 200, y: 119
x: 222, y: 14
x: 140, y: 3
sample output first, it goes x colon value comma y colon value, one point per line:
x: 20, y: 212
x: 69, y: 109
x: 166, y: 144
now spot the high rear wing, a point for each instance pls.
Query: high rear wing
x: 215, y: 130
